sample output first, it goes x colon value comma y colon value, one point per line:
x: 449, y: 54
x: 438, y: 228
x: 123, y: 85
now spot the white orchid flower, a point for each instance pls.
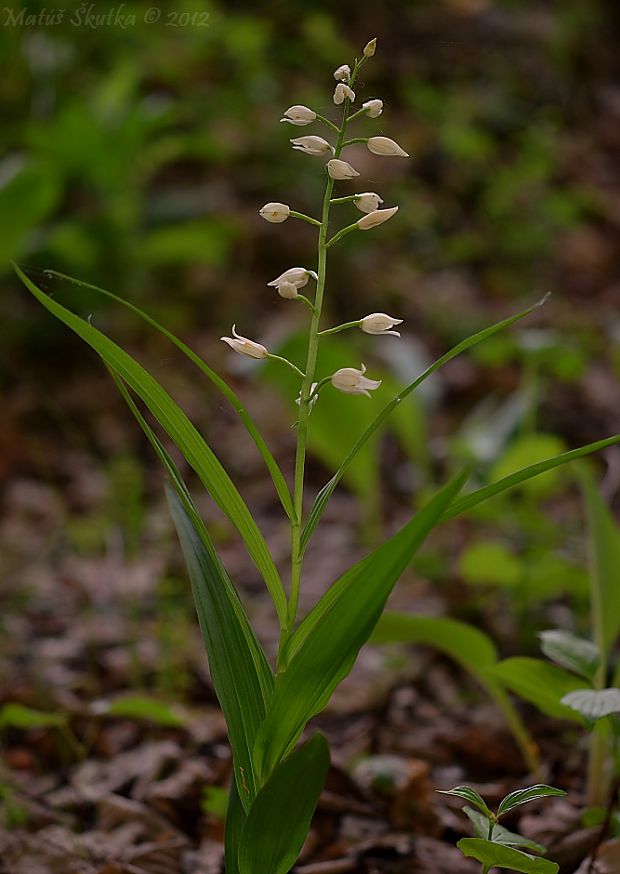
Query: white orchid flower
x: 380, y: 323
x: 244, y: 346
x: 353, y: 382
x: 299, y: 115
x: 386, y: 147
x: 275, y: 212
x: 376, y: 217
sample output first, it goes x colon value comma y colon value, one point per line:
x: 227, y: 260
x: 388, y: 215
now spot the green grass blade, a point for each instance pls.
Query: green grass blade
x: 270, y: 462
x: 238, y: 665
x: 235, y: 820
x: 181, y: 430
x: 323, y: 649
x: 508, y: 482
x: 279, y: 819
x: 328, y: 489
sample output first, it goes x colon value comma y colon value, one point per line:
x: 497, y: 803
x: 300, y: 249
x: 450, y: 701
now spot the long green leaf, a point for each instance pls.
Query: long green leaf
x: 235, y: 820
x: 497, y: 856
x: 270, y: 462
x: 241, y: 675
x: 323, y: 649
x: 508, y: 482
x: 328, y: 489
x: 542, y: 684
x: 177, y: 425
x: 524, y: 796
x: 605, y: 572
x: 279, y: 819
x: 236, y: 659
x: 470, y: 648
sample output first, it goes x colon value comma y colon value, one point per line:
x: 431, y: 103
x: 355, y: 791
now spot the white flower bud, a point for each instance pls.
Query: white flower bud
x: 299, y: 115
x: 297, y: 276
x: 385, y: 146
x: 380, y: 323
x: 287, y: 290
x: 343, y: 73
x: 341, y: 92
x: 377, y: 217
x: 244, y: 346
x: 311, y: 145
x: 338, y: 169
x: 370, y: 48
x: 373, y: 108
x: 275, y: 212
x: 353, y: 382
x: 368, y: 201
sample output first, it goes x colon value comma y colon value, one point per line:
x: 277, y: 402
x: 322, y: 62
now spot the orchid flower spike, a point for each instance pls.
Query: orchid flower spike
x: 244, y: 346
x: 312, y: 145
x: 376, y: 217
x: 373, y: 108
x: 343, y: 73
x: 370, y: 48
x: 380, y: 323
x: 353, y: 382
x: 343, y: 91
x: 338, y: 169
x: 299, y: 115
x: 296, y: 276
x: 275, y: 212
x: 385, y: 146
x: 368, y: 201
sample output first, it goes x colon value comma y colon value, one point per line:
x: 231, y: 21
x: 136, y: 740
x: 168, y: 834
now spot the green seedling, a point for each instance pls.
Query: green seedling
x: 495, y: 846
x: 269, y: 699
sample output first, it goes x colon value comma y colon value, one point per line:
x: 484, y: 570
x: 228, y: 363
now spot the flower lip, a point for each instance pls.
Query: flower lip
x: 342, y: 90
x: 311, y: 145
x: 275, y: 212
x: 245, y: 346
x: 299, y: 115
x: 338, y: 169
x: 297, y: 276
x: 380, y: 323
x: 352, y: 381
x: 386, y: 147
x: 367, y: 201
x: 287, y: 290
x: 376, y: 217
x: 342, y: 73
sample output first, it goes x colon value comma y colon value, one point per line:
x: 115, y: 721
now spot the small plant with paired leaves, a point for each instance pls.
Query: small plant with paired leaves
x: 495, y: 846
x: 268, y: 702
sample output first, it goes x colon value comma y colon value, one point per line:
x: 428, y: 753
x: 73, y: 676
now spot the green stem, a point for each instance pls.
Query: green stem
x: 305, y: 218
x: 346, y: 199
x: 328, y: 123
x: 287, y: 362
x: 341, y: 233
x: 355, y: 140
x: 338, y: 328
x: 304, y: 299
x: 304, y: 402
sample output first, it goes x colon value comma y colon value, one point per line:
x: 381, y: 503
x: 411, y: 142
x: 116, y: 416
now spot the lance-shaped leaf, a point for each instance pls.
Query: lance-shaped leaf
x: 221, y: 384
x: 524, y: 796
x: 542, y: 684
x: 466, y: 793
x: 279, y: 819
x: 500, y: 835
x: 514, y: 479
x: 173, y: 420
x: 493, y: 855
x: 235, y: 820
x: 575, y: 653
x: 325, y: 646
x: 594, y: 703
x: 328, y: 489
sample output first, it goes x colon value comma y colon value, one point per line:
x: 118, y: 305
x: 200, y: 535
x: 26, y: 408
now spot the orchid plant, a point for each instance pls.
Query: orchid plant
x: 267, y: 703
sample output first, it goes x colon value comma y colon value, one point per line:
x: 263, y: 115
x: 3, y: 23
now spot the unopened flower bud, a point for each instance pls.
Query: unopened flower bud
x: 380, y: 323
x: 343, y: 73
x: 353, y: 382
x: 376, y: 217
x: 338, y: 169
x: 299, y: 115
x: 275, y: 212
x: 368, y: 201
x: 244, y: 346
x: 287, y: 290
x: 370, y: 48
x: 385, y: 146
x: 343, y: 91
x: 297, y: 276
x: 311, y: 145
x: 373, y: 108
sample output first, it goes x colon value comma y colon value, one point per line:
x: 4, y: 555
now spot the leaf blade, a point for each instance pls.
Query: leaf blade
x: 575, y: 653
x: 498, y: 856
x: 524, y: 796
